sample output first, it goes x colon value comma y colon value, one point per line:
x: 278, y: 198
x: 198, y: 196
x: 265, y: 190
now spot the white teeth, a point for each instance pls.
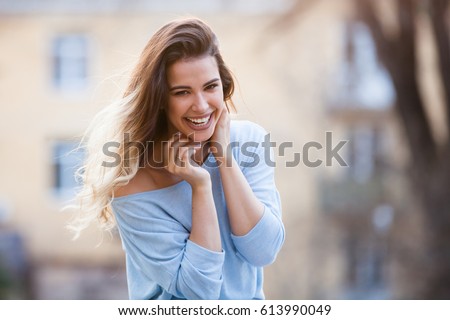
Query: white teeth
x: 199, y: 121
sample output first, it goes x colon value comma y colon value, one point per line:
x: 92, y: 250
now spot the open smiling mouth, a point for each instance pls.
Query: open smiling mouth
x: 199, y: 122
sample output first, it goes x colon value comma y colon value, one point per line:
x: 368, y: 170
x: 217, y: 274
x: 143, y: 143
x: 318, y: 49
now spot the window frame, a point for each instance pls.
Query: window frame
x: 70, y: 58
x: 66, y: 158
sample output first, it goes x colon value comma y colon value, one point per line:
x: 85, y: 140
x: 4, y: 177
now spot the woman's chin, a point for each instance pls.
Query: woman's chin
x: 200, y: 137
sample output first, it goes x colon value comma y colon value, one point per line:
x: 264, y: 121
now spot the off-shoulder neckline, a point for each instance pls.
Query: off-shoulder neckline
x: 147, y: 192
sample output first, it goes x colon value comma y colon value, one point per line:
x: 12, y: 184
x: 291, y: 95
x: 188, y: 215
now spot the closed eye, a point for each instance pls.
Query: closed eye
x: 181, y: 93
x: 211, y: 86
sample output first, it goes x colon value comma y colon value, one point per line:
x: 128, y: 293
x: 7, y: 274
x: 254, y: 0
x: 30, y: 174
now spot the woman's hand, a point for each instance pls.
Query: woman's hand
x: 220, y: 139
x: 178, y: 153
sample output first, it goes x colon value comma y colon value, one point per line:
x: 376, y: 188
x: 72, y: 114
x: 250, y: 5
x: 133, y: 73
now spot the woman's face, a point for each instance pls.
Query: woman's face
x: 195, y: 97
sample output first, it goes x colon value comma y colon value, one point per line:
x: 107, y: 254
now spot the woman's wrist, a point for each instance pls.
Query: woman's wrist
x: 221, y: 153
x: 201, y: 185
x: 225, y: 162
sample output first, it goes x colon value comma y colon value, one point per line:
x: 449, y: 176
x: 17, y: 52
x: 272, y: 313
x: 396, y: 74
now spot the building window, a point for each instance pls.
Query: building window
x: 5, y: 211
x: 365, y: 271
x: 365, y: 152
x: 66, y: 160
x: 70, y: 62
x: 360, y: 81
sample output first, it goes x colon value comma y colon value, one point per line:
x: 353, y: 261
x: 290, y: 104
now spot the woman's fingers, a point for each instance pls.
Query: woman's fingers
x: 178, y: 150
x: 224, y: 117
x: 178, y: 153
x: 185, y: 154
x: 168, y: 149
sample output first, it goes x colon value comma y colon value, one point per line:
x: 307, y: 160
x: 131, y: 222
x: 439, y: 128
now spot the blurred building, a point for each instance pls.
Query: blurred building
x: 61, y: 61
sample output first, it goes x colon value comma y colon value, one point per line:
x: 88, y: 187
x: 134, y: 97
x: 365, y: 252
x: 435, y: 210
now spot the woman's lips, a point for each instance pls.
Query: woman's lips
x: 199, y: 123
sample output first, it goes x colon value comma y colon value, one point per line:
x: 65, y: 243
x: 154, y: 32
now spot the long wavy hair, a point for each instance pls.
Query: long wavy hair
x: 140, y: 116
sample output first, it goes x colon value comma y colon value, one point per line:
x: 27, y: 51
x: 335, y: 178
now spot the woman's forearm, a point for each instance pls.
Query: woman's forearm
x: 244, y: 209
x: 205, y: 225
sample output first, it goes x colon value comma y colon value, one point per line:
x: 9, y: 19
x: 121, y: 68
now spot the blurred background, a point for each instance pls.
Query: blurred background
x: 373, y: 73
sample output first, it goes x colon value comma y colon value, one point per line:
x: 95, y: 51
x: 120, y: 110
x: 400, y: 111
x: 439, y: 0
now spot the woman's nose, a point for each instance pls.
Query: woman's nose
x: 200, y: 104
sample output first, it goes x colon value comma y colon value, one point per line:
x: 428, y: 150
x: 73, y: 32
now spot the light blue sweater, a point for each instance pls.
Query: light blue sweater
x: 162, y: 263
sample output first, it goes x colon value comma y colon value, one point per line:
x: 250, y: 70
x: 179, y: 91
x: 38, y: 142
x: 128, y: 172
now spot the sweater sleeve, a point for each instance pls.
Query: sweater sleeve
x: 159, y: 247
x: 262, y: 243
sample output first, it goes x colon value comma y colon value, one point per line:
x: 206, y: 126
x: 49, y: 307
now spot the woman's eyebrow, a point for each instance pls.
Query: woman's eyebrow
x: 188, y: 87
x: 210, y: 82
x: 179, y: 87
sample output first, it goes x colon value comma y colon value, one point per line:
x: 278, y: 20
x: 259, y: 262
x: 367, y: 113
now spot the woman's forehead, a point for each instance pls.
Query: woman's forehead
x: 192, y: 69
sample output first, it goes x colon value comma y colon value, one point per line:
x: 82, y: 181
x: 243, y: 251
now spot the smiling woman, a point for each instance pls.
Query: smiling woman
x: 189, y: 230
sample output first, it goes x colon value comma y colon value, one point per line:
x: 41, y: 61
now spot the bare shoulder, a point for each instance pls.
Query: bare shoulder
x: 141, y: 182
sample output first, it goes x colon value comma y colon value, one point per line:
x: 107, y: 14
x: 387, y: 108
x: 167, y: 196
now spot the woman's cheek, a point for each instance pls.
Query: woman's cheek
x: 221, y: 106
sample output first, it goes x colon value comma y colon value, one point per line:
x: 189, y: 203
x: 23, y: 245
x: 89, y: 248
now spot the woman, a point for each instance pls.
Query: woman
x: 193, y: 199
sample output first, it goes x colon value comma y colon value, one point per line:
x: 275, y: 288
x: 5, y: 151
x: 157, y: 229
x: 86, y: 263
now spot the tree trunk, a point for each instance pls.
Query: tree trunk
x: 436, y: 199
x: 430, y: 163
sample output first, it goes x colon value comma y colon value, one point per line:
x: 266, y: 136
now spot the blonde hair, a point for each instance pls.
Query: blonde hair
x: 140, y: 114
